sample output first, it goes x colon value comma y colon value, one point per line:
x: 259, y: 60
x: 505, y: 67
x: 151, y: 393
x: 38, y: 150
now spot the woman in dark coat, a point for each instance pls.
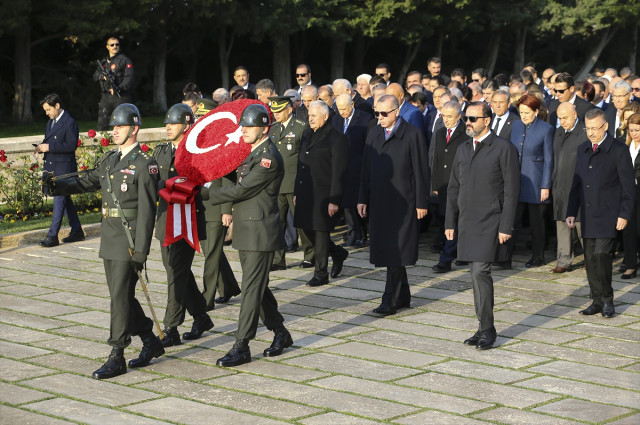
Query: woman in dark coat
x: 631, y: 233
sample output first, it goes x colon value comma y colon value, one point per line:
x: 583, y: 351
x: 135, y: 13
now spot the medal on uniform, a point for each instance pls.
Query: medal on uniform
x: 289, y: 147
x: 123, y: 187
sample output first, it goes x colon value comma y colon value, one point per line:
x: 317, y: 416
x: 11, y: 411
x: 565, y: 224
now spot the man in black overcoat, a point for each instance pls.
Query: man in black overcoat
x: 394, y: 193
x: 482, y: 198
x: 319, y: 189
x: 603, y: 190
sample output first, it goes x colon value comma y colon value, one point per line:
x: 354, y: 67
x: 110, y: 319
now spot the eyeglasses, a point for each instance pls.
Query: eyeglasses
x: 635, y: 89
x: 114, y: 44
x: 382, y: 75
x: 560, y: 90
x: 588, y: 129
x: 301, y: 75
x: 383, y: 113
x: 472, y: 119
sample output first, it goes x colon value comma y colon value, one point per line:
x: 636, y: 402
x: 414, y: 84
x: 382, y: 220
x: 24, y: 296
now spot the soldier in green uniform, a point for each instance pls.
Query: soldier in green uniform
x: 257, y: 234
x: 286, y: 136
x: 182, y: 290
x: 128, y: 178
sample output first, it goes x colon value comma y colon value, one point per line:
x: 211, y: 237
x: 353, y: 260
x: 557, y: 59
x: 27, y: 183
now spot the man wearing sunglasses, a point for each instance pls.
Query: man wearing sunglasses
x: 303, y: 77
x: 482, y: 197
x: 566, y: 92
x: 115, y: 77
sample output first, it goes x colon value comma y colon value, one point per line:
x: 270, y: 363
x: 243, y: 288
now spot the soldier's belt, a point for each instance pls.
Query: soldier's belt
x: 113, y: 212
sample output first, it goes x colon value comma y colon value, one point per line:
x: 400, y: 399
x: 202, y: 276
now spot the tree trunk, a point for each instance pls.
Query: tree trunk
x: 604, y: 39
x: 298, y: 45
x: 22, y: 81
x: 223, y: 54
x: 160, y: 65
x: 492, y: 52
x: 634, y: 49
x: 558, y: 47
x: 281, y: 63
x: 337, y: 57
x: 439, y: 44
x: 358, y: 53
x: 521, y: 38
x: 409, y: 57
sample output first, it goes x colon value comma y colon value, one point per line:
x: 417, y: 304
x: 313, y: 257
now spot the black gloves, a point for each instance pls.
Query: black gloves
x: 137, y: 260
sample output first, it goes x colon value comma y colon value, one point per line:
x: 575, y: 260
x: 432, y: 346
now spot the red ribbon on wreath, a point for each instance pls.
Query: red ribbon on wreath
x: 180, y: 194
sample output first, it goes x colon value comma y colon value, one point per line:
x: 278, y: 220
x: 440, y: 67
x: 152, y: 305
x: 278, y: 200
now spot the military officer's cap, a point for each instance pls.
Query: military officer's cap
x: 205, y: 105
x: 279, y: 103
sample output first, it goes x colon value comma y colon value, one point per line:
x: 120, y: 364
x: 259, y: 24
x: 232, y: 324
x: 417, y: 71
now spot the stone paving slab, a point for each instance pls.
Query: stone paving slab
x: 29, y: 320
x: 629, y: 420
x: 11, y: 415
x: 14, y: 394
x: 567, y: 353
x: 605, y: 329
x: 440, y: 418
x: 16, y: 371
x: 583, y: 410
x: 479, y: 371
x: 336, y: 418
x: 20, y: 351
x: 384, y: 354
x: 33, y: 306
x: 26, y: 290
x: 505, y: 415
x: 595, y: 374
x: 606, y: 345
x: 20, y: 334
x: 76, y: 346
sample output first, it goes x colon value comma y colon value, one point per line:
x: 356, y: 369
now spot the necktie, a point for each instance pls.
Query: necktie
x: 116, y: 159
x: 448, y: 135
x: 475, y: 144
x: 346, y: 125
x: 595, y: 146
x: 387, y: 133
x: 496, y: 126
x: 52, y: 123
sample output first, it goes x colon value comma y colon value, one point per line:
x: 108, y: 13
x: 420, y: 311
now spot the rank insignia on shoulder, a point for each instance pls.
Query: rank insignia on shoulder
x: 129, y: 65
x: 153, y: 169
x: 266, y: 163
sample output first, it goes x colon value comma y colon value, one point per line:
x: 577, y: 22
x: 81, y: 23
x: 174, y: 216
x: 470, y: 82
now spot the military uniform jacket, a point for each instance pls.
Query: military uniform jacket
x: 62, y: 139
x: 122, y: 68
x: 603, y: 188
x: 565, y: 149
x: 165, y: 156
x: 134, y: 182
x: 482, y: 196
x: 287, y: 140
x: 256, y: 217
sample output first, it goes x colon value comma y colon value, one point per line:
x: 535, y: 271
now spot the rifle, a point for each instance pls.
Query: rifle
x: 110, y: 78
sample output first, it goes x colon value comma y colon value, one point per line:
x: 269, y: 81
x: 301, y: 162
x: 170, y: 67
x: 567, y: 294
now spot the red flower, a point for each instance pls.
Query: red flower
x: 79, y: 142
x: 84, y: 167
x: 104, y: 141
x: 91, y: 133
x: 144, y: 147
x: 3, y: 158
x: 1, y: 151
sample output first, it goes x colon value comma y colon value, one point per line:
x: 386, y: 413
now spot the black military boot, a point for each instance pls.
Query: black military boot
x: 281, y: 340
x: 171, y: 337
x: 114, y: 366
x: 152, y: 347
x: 201, y: 323
x: 239, y: 354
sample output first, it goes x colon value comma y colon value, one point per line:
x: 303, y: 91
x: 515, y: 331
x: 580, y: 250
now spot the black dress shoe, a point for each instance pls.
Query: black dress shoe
x: 336, y: 267
x: 473, y: 340
x: 114, y: 366
x: 384, y: 310
x: 486, y: 340
x: 318, y: 281
x: 239, y: 354
x: 591, y: 310
x: 74, y: 237
x: 506, y: 265
x: 225, y: 299
x: 201, y: 324
x: 281, y: 340
x: 306, y: 264
x: 460, y: 263
x: 152, y: 348
x: 631, y: 275
x: 359, y: 243
x: 275, y: 267
x: 534, y: 262
x: 50, y: 242
x: 406, y: 304
x: 441, y: 268
x: 608, y: 310
x: 171, y: 337
x: 622, y: 269
x: 292, y: 248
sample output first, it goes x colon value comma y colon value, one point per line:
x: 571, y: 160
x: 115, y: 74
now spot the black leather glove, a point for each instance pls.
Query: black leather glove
x: 137, y: 260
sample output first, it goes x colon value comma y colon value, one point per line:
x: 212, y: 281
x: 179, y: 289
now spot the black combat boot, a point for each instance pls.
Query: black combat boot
x: 171, y: 337
x: 281, y: 340
x: 201, y: 323
x: 114, y: 366
x: 152, y: 347
x: 239, y: 354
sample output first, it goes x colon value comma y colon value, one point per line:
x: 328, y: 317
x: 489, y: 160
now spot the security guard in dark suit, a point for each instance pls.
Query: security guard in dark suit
x: 129, y: 181
x: 257, y: 234
x: 286, y: 135
x: 182, y: 290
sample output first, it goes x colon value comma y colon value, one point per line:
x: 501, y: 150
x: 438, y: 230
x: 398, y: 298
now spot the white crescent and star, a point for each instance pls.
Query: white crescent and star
x: 192, y: 140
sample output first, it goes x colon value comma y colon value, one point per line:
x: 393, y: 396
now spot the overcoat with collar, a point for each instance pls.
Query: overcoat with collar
x: 320, y: 181
x: 63, y: 142
x: 482, y: 196
x: 395, y: 182
x: 603, y: 187
x: 443, y: 156
x: 565, y: 149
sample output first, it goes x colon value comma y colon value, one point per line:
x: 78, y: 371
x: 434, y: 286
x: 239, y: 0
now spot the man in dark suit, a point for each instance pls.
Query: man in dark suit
x: 286, y: 135
x: 303, y: 77
x: 502, y: 118
x: 353, y: 123
x: 434, y: 66
x: 441, y: 95
x: 566, y: 140
x: 565, y: 91
x: 620, y: 97
x: 182, y: 290
x: 341, y: 86
x: 241, y: 76
x: 257, y: 234
x: 446, y: 142
x: 319, y: 189
x: 481, y: 200
x: 394, y: 193
x: 59, y: 148
x: 408, y: 112
x: 603, y: 190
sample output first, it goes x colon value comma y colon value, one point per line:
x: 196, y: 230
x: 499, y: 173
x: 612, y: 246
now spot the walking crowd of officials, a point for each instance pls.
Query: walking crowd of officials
x: 472, y: 158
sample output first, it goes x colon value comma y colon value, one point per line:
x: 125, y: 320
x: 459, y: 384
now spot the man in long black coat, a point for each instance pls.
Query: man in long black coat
x: 603, y: 190
x: 395, y: 193
x: 482, y: 198
x: 319, y: 189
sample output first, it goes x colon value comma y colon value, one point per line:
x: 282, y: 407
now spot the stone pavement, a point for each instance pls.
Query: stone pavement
x: 347, y: 366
